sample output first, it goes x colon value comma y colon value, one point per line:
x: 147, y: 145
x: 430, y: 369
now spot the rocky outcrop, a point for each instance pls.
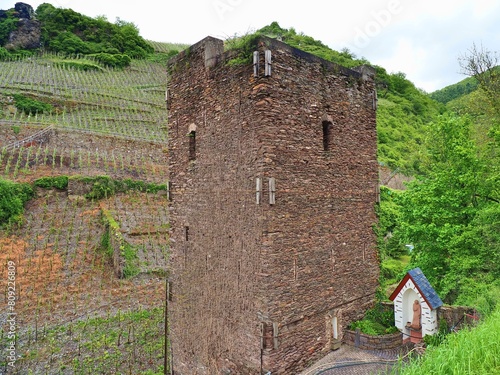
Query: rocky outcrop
x: 24, y: 11
x: 26, y: 36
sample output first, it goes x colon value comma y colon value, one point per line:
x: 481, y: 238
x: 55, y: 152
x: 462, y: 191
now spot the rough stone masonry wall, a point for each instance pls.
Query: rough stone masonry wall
x: 319, y: 256
x: 293, y: 265
x: 214, y: 220
x: 367, y: 342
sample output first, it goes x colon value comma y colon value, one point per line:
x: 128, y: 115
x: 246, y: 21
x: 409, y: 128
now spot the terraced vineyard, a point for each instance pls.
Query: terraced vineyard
x: 90, y: 256
x: 127, y: 103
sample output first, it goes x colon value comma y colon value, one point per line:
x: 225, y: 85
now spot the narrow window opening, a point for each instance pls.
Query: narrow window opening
x: 186, y: 233
x: 327, y: 125
x: 192, y: 145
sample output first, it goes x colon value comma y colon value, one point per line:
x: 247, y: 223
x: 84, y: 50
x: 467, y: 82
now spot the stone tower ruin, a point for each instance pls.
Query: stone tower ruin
x: 273, y: 185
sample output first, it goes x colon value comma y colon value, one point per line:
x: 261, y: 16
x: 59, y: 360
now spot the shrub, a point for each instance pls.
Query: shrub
x: 377, y: 321
x: 30, y: 106
x: 6, y: 26
x: 102, y: 187
x: 80, y: 64
x: 13, y: 196
x: 112, y: 60
x: 58, y: 182
x: 4, y: 54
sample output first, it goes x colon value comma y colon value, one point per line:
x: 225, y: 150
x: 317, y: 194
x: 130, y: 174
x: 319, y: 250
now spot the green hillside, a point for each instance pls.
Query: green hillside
x: 455, y: 91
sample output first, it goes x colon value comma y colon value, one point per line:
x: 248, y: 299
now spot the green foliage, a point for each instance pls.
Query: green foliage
x: 469, y: 352
x: 439, y: 337
x: 58, y: 182
x: 66, y: 31
x: 31, y: 106
x: 4, y: 54
x: 311, y: 45
x: 451, y: 213
x: 377, y: 321
x: 77, y: 64
x: 161, y: 57
x: 102, y: 187
x: 13, y: 196
x: 243, y: 46
x: 127, y: 251
x: 403, y: 115
x: 7, y: 25
x: 112, y: 60
x: 388, y: 218
x: 105, y: 187
x: 106, y: 244
x: 393, y: 269
x: 116, y: 342
x: 129, y: 254
x: 68, y: 43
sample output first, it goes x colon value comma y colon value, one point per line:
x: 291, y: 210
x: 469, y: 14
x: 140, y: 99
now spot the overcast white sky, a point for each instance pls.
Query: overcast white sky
x: 421, y: 38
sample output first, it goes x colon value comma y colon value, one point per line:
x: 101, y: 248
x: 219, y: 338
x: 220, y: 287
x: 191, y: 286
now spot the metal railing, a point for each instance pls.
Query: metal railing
x: 38, y: 137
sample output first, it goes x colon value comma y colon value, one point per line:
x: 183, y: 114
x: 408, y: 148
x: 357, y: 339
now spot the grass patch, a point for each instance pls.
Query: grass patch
x: 470, y: 351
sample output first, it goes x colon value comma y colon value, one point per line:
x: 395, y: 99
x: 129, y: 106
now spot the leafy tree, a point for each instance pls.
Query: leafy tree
x: 388, y: 212
x: 447, y: 212
x: 482, y: 64
x: 6, y: 27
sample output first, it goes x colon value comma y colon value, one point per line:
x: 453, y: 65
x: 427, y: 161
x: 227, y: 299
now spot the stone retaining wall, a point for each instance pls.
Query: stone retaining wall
x: 362, y: 341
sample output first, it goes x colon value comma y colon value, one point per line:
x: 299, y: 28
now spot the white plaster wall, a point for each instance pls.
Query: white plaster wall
x: 408, y: 294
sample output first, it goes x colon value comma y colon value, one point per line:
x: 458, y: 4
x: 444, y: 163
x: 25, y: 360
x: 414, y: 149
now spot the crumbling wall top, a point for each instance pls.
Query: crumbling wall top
x: 214, y: 53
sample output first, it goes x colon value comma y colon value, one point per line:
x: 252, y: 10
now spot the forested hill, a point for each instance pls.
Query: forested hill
x: 67, y: 32
x: 455, y: 91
